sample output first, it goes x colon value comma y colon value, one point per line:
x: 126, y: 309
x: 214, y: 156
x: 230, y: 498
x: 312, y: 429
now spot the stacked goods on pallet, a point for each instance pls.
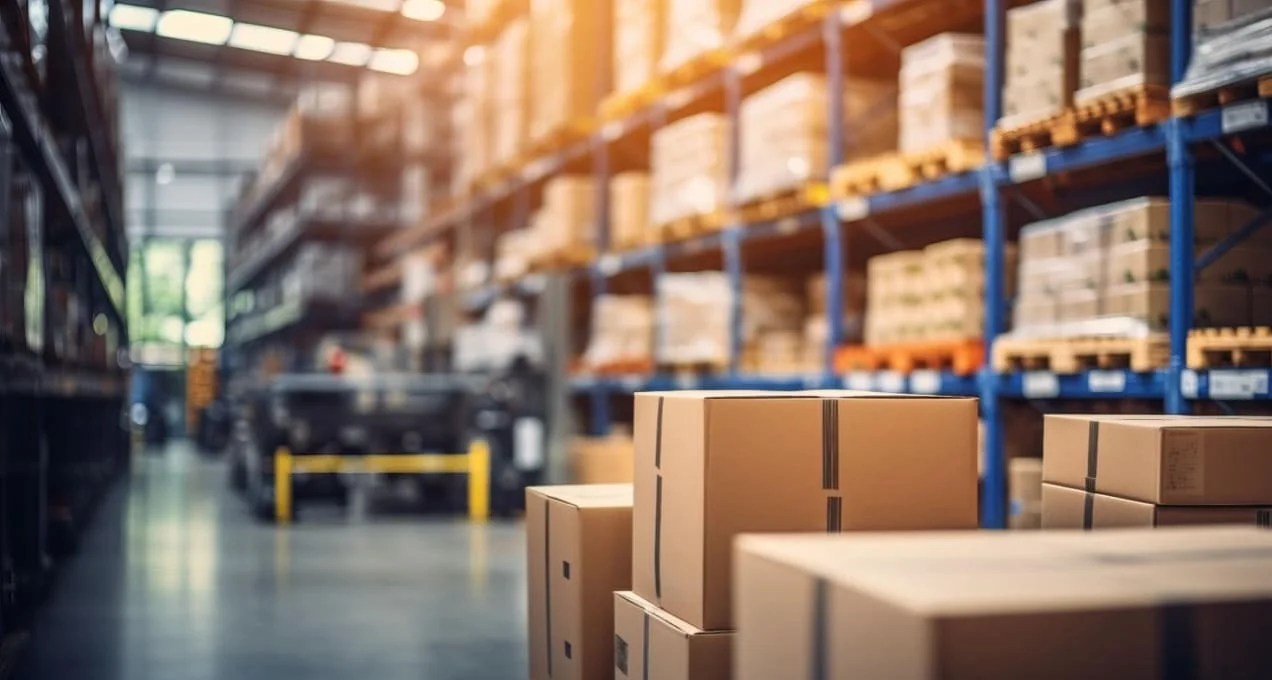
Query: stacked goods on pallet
x: 1125, y: 48
x: 638, y: 42
x: 696, y: 29
x: 1024, y: 493
x: 694, y: 316
x: 622, y: 338
x: 784, y: 128
x: 1106, y: 271
x: 1145, y: 471
x: 629, y: 211
x: 689, y: 162
x: 578, y: 552
x: 497, y: 340
x: 510, y: 57
x: 564, y: 227
x: 1042, y: 61
x: 474, y: 117
x: 852, y: 305
x: 1004, y: 605
x: 570, y: 60
x: 793, y: 461
x: 478, y: 13
x: 514, y: 252
x: 773, y: 316
x: 1232, y: 46
x: 941, y: 93
x: 758, y: 15
x: 602, y: 460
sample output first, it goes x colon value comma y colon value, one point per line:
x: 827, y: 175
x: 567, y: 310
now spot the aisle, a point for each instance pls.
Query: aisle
x: 175, y: 581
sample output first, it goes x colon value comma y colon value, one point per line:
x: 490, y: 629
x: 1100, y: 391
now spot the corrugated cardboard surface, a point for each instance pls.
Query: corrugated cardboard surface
x: 1114, y: 604
x: 1168, y: 460
x: 650, y: 643
x: 578, y: 553
x: 1065, y: 508
x: 734, y: 462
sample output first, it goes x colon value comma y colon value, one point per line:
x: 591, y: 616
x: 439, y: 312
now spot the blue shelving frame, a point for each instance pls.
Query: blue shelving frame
x: 993, y: 184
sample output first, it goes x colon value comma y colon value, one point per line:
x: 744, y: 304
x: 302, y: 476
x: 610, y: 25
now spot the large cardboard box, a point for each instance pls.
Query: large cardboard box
x: 1065, y: 508
x: 651, y: 643
x: 1169, y: 460
x: 1130, y: 604
x: 578, y: 553
x: 638, y: 40
x: 510, y: 106
x: 711, y: 465
x: 629, y: 210
x: 570, y: 42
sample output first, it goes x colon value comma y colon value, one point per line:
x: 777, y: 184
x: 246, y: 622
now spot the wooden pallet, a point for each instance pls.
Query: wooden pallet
x: 858, y: 358
x: 624, y: 367
x: 859, y: 178
x: 556, y: 140
x: 696, y: 68
x: 1109, y: 114
x: 783, y: 204
x: 1256, y: 88
x: 1230, y: 347
x: 693, y: 369
x: 1052, y: 131
x: 797, y: 21
x: 955, y: 156
x: 1073, y: 355
x: 575, y: 255
x: 620, y: 105
x: 961, y: 357
x: 689, y: 227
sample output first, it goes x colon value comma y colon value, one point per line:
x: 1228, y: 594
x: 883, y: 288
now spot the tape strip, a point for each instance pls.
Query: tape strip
x: 1093, y: 466
x: 644, y: 653
x: 834, y: 514
x: 1088, y: 511
x: 658, y: 436
x: 547, y: 578
x: 819, y: 665
x: 830, y: 444
x: 1264, y: 518
x: 1178, y: 653
x: 658, y: 502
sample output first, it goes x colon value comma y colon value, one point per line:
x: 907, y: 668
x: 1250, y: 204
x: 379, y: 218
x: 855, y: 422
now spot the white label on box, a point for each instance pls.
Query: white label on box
x: 862, y: 381
x: 1244, y: 116
x: 1027, y: 166
x: 609, y: 265
x: 853, y: 209
x: 1040, y: 385
x: 1238, y: 384
x: 1188, y: 384
x: 891, y: 381
x: 925, y: 382
x: 1184, y: 467
x: 1106, y: 381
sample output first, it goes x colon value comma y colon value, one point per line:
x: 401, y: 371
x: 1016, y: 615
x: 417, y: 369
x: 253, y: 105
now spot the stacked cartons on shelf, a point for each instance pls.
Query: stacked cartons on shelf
x: 1042, y: 60
x: 473, y: 116
x: 757, y: 15
x: 696, y: 28
x: 1125, y: 47
x: 622, y: 333
x: 639, y: 26
x: 1209, y: 14
x: 773, y: 315
x: 689, y: 168
x: 510, y: 56
x: 630, y: 225
x: 1144, y: 471
x: 570, y: 63
x: 852, y: 308
x: 564, y: 227
x: 941, y: 92
x: 1024, y: 493
x: 694, y: 315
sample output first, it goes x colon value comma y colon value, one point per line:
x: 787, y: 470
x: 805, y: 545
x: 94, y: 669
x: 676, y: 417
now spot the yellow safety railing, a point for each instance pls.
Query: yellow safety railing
x: 475, y: 463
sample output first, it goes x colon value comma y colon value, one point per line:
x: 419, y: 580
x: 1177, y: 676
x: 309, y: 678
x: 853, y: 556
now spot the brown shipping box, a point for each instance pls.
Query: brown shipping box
x: 651, y: 643
x: 1065, y: 508
x: 570, y: 61
x: 578, y: 553
x: 601, y: 460
x: 711, y: 465
x: 1046, y: 605
x: 1169, y: 460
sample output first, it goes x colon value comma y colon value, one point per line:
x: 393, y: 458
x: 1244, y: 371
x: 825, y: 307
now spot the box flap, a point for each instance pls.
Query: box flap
x: 588, y: 495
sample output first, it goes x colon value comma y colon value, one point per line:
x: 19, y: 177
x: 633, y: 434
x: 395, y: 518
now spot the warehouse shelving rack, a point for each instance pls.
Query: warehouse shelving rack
x: 996, y: 190
x: 62, y: 404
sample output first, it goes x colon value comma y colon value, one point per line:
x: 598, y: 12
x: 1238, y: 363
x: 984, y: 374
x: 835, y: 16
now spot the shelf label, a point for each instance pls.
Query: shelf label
x: 1106, y: 381
x: 891, y: 381
x: 853, y: 209
x: 685, y: 381
x: 631, y: 383
x: 925, y: 382
x: 861, y: 381
x: 1238, y: 384
x: 610, y: 265
x: 1188, y: 384
x: 1027, y: 166
x: 1040, y: 385
x: 1244, y: 116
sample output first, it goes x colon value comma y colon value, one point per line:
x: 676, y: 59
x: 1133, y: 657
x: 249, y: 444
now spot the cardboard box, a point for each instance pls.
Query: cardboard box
x: 578, y: 552
x: 1024, y: 493
x: 994, y: 605
x: 1210, y: 14
x: 1065, y: 508
x: 711, y: 465
x: 570, y: 59
x: 696, y: 28
x: 1108, y: 20
x: 1169, y: 460
x: 638, y: 42
x: 941, y: 92
x: 602, y: 460
x: 510, y: 106
x: 1127, y: 62
x: 651, y: 643
x: 629, y: 210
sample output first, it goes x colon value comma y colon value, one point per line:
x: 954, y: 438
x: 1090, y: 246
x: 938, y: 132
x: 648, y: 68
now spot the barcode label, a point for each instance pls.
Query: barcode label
x: 853, y: 209
x: 1027, y: 166
x: 1106, y: 381
x: 1040, y: 385
x: 1244, y: 116
x: 925, y: 382
x: 1238, y: 384
x: 860, y: 381
x: 891, y: 381
x: 1189, y: 384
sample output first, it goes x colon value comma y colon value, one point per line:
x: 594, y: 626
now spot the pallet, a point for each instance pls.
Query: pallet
x: 1142, y: 105
x: 858, y: 358
x: 623, y: 367
x: 556, y: 140
x: 1247, y: 90
x: 1230, y: 348
x: 797, y: 21
x: 696, y: 68
x: 689, y: 227
x: 620, y: 105
x: 902, y: 171
x: 569, y: 257
x: 961, y: 357
x: 1053, y: 131
x: 1073, y: 355
x: 693, y: 369
x: 783, y: 204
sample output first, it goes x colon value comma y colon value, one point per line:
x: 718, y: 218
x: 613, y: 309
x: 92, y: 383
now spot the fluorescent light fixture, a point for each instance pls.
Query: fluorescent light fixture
x: 134, y: 18
x: 351, y: 54
x: 399, y: 62
x: 314, y: 47
x: 423, y: 10
x: 263, y: 38
x: 182, y: 24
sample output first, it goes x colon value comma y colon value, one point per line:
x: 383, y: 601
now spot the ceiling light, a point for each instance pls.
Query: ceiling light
x: 134, y: 18
x: 400, y: 62
x: 423, y: 10
x: 351, y: 54
x: 183, y: 24
x: 263, y: 38
x: 314, y: 47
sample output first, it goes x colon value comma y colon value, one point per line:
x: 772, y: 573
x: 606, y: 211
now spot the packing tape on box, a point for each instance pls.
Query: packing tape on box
x: 644, y: 650
x: 658, y: 503
x: 1264, y: 518
x: 830, y: 464
x: 1093, y: 464
x: 1178, y: 646
x: 547, y: 580
x: 820, y: 647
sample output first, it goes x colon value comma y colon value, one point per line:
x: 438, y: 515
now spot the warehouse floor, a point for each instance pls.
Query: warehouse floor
x: 176, y: 581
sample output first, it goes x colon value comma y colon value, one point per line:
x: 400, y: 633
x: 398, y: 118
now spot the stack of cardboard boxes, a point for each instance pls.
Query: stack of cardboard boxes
x: 639, y: 26
x: 694, y: 314
x: 852, y: 307
x: 1106, y: 271
x: 629, y: 211
x: 1145, y: 471
x: 1125, y: 46
x: 1210, y: 14
x: 570, y: 63
x: 689, y: 168
x: 696, y: 28
x: 756, y: 15
x: 622, y: 333
x: 942, y: 92
x: 510, y: 73
x: 1042, y: 60
x: 566, y: 223
x: 474, y: 119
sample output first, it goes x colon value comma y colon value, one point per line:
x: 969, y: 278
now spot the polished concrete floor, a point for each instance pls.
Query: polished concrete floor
x: 175, y: 581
